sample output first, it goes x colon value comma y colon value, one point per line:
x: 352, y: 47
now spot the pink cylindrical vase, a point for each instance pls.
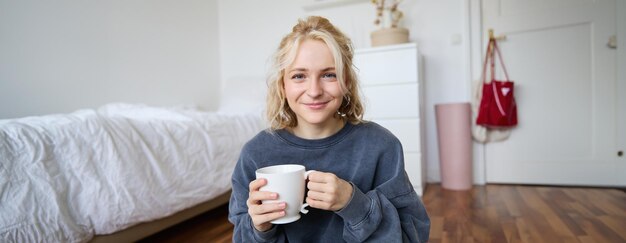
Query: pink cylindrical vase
x: 454, y: 124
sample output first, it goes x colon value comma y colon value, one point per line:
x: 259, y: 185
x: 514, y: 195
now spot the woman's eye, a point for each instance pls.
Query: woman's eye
x: 297, y: 76
x: 330, y: 75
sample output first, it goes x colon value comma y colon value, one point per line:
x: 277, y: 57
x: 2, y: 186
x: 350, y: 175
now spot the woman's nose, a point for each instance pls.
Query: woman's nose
x: 315, y: 88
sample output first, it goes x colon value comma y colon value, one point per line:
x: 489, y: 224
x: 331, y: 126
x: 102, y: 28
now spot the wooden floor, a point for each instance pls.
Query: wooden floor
x: 492, y: 213
x: 212, y: 226
x: 505, y: 213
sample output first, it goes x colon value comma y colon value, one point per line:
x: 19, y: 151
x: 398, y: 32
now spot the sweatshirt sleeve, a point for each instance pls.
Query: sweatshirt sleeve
x: 238, y: 215
x: 391, y: 212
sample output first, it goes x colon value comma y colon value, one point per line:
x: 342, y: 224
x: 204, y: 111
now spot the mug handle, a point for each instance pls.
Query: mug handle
x: 304, y: 205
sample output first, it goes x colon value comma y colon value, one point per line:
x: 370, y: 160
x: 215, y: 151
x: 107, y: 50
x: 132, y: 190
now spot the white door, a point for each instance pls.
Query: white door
x: 556, y: 52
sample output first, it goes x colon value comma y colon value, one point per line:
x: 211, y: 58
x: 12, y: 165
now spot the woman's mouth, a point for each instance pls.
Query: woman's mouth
x: 316, y: 105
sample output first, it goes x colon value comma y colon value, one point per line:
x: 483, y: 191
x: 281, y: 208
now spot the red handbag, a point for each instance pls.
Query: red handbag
x: 497, y: 106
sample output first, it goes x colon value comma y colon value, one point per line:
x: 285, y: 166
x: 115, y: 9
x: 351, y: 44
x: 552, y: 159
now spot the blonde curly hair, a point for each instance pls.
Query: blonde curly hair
x: 278, y: 112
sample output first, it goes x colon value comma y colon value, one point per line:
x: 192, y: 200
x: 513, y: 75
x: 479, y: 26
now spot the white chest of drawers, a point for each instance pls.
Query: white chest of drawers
x: 390, y: 81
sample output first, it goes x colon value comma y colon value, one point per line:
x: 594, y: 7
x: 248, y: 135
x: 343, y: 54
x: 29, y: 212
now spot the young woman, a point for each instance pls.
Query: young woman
x: 360, y: 191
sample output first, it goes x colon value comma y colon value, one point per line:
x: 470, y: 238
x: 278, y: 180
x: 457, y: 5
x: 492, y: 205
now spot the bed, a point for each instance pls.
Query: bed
x: 119, y: 172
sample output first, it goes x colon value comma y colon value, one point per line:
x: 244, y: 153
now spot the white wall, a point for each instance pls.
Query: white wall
x: 58, y: 56
x: 251, y: 30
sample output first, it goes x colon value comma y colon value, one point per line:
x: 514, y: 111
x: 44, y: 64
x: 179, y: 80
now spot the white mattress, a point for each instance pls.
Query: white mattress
x: 66, y: 177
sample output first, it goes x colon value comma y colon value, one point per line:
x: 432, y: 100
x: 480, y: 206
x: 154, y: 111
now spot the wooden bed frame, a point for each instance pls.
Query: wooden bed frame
x: 142, y: 230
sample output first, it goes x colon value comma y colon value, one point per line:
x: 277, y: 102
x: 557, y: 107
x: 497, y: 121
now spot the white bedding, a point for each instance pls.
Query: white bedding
x: 66, y: 177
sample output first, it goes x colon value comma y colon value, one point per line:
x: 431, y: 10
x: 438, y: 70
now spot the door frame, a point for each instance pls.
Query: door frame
x: 472, y: 51
x: 621, y: 85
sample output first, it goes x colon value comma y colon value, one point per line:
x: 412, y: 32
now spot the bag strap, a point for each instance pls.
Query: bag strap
x: 493, y: 70
x: 492, y: 48
x: 497, y: 50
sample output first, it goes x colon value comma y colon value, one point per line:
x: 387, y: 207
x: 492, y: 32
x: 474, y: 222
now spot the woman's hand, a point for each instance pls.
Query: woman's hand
x: 327, y: 191
x: 263, y: 213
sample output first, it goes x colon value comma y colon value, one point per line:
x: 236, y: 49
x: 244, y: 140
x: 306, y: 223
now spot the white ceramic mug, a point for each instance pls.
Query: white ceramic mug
x: 289, y: 182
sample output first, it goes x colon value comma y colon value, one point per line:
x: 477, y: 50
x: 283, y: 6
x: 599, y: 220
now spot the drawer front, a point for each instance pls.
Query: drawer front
x: 391, y: 101
x: 389, y: 67
x: 406, y: 130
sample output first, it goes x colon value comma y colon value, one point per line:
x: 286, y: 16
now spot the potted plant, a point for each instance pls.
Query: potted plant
x: 388, y: 17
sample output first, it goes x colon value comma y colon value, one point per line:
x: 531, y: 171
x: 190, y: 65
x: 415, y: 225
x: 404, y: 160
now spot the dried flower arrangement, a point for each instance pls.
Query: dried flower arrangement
x: 386, y: 11
x: 388, y: 17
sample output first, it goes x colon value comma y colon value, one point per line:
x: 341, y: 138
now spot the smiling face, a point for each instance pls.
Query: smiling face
x: 311, y: 87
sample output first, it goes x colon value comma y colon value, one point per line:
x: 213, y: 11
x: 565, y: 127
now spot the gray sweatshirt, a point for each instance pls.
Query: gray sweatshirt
x: 383, y: 207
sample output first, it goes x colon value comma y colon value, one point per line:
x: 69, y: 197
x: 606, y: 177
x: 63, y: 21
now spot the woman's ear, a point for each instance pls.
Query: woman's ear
x: 346, y: 85
x: 346, y: 78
